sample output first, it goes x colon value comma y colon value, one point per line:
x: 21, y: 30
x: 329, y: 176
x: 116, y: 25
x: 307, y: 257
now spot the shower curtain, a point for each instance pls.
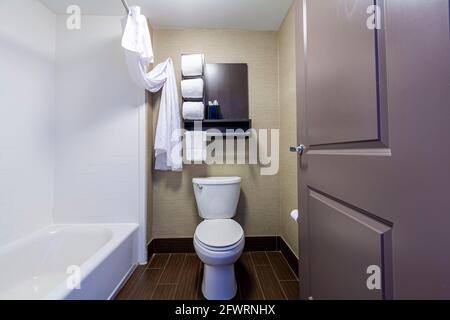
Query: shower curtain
x: 139, y: 54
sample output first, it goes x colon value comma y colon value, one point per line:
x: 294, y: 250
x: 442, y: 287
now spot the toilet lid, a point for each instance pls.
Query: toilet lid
x: 219, y: 233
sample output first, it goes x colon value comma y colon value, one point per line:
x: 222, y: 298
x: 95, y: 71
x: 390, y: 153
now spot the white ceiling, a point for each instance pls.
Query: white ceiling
x: 229, y: 14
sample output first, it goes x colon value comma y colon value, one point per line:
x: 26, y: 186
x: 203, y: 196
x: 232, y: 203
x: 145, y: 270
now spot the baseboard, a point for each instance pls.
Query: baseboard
x: 263, y: 243
x: 290, y: 257
x: 186, y: 245
x: 172, y: 245
x: 269, y: 243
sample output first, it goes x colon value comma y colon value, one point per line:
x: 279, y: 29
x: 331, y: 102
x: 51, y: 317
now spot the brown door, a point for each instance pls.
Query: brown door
x: 374, y: 115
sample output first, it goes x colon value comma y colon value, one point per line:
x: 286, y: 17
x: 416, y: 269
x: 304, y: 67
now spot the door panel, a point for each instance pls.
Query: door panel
x: 390, y: 166
x: 342, y: 73
x: 344, y: 243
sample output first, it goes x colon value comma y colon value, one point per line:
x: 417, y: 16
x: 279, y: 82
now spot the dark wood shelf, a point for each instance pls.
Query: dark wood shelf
x: 222, y: 124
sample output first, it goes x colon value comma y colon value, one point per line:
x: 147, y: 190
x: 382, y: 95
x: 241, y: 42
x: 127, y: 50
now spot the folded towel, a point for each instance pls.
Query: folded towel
x: 192, y: 89
x: 192, y: 65
x: 196, y: 146
x: 193, y: 111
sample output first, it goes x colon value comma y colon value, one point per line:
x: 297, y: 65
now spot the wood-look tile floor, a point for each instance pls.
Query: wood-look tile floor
x: 260, y: 276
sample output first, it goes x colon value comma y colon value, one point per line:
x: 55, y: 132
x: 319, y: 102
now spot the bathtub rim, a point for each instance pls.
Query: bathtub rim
x: 126, y: 230
x: 121, y: 232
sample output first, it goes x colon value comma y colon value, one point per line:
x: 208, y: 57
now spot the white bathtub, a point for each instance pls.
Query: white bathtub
x: 40, y: 266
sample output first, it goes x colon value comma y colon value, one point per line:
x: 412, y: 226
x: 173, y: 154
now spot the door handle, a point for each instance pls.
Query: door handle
x: 299, y: 149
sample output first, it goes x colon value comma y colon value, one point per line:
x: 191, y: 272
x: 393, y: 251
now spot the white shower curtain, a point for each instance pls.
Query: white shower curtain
x: 138, y: 49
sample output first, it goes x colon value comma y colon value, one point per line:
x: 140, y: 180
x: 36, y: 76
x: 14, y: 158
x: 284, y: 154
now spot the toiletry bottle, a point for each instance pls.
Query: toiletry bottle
x: 214, y: 111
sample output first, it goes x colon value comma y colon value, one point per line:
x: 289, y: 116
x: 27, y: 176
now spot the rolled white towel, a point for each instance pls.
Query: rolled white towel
x: 192, y: 65
x: 193, y: 111
x: 192, y: 89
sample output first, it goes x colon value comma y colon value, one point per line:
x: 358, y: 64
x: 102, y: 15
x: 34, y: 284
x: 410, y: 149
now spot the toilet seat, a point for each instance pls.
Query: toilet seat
x: 219, y: 234
x: 218, y: 249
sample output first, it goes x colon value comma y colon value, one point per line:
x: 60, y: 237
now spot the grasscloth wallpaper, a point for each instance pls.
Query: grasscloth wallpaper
x: 173, y: 211
x: 288, y: 130
x: 174, y: 208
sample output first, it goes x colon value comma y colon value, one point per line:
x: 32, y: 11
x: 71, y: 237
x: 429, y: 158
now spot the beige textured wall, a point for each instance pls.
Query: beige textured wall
x: 174, y: 208
x: 288, y: 130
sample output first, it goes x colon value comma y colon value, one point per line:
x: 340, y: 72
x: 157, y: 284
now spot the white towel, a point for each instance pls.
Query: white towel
x: 192, y: 65
x: 168, y: 132
x: 193, y: 111
x: 136, y: 36
x: 192, y: 89
x: 196, y: 146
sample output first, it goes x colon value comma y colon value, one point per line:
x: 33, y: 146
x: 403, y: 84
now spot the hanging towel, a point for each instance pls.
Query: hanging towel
x: 192, y: 65
x: 196, y: 146
x: 192, y: 89
x: 136, y: 37
x: 193, y: 111
x: 168, y: 143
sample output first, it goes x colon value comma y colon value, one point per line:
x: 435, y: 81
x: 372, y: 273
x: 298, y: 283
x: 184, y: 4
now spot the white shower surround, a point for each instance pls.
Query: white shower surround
x: 95, y: 172
x: 101, y: 151
x: 27, y: 104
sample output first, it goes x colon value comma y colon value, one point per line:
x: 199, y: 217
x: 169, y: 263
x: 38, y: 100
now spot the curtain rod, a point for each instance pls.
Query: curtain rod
x: 125, y: 4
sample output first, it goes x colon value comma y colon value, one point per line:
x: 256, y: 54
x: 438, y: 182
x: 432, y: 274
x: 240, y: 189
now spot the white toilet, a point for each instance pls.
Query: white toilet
x: 218, y: 240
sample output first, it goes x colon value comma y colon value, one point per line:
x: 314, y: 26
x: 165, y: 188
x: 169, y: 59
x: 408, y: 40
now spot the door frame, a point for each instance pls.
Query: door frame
x: 301, y: 37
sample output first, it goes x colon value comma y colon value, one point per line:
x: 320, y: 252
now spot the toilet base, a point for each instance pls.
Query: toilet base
x: 219, y: 282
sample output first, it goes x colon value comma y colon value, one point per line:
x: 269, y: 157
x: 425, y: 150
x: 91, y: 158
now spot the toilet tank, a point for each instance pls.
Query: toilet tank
x: 217, y: 197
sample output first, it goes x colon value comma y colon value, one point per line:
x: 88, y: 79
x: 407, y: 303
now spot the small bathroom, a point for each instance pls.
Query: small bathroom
x: 85, y: 190
x: 223, y: 150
